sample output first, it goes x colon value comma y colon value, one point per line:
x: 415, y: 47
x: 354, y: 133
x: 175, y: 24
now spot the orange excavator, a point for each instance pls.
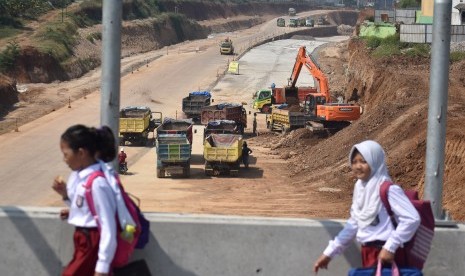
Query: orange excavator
x: 323, y: 114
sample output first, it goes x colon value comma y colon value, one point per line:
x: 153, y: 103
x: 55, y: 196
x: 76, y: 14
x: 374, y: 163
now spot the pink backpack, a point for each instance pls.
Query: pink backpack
x: 124, y: 248
x: 418, y: 247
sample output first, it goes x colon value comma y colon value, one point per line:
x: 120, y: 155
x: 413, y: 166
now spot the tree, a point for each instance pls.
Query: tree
x: 9, y: 55
x: 409, y: 4
x: 22, y: 8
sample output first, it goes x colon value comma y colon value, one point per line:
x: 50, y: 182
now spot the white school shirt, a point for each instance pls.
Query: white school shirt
x: 407, y: 218
x: 105, y: 207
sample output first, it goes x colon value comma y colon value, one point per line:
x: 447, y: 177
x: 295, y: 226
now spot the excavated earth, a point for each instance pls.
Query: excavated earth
x: 394, y: 95
x: 392, y: 91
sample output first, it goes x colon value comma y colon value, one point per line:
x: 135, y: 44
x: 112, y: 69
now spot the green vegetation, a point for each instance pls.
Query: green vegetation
x: 403, y: 4
x: 457, y: 56
x: 91, y: 10
x: 57, y: 39
x: 8, y: 32
x: 8, y: 56
x: 30, y: 9
x: 391, y: 45
x: 418, y: 50
x: 94, y: 36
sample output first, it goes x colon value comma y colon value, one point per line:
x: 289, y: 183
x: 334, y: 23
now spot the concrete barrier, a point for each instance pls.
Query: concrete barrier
x: 35, y: 242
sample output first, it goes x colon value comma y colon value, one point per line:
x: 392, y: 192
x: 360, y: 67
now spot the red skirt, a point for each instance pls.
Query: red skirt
x: 371, y: 250
x: 86, y: 242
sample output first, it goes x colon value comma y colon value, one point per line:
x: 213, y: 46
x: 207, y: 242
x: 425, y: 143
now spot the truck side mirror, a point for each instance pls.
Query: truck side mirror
x: 195, y: 130
x: 250, y: 112
x: 213, y: 100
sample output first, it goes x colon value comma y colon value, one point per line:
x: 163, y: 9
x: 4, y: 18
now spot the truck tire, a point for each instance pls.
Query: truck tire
x: 266, y: 109
x: 186, y: 172
x: 208, y: 169
x: 160, y: 173
x: 284, y: 130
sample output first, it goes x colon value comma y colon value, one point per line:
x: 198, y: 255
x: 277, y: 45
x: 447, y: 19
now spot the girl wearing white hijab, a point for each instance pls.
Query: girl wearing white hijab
x: 369, y: 221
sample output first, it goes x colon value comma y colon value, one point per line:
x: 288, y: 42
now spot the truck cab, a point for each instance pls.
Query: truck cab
x: 262, y: 100
x: 280, y: 22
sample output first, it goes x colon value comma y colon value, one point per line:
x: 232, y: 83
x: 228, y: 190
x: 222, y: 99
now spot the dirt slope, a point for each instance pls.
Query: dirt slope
x: 394, y: 95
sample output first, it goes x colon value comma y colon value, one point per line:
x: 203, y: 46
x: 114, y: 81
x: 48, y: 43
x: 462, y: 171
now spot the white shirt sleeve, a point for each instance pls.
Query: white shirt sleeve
x: 105, y: 206
x: 342, y: 240
x: 407, y: 218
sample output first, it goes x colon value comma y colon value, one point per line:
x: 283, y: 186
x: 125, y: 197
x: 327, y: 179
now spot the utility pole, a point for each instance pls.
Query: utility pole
x: 437, y: 107
x: 111, y: 66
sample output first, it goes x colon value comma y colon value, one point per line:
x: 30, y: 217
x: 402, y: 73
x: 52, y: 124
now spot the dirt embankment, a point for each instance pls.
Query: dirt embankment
x: 394, y: 95
x: 8, y: 94
x: 138, y: 36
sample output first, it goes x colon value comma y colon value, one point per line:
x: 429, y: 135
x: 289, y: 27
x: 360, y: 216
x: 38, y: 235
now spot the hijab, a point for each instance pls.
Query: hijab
x: 366, y: 202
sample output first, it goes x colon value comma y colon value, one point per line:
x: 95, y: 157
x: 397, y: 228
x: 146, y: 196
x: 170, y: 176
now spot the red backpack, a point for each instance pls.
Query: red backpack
x: 418, y: 247
x: 125, y: 247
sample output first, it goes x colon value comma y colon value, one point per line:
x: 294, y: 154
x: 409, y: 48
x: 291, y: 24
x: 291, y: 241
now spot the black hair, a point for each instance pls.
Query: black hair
x: 99, y: 141
x: 354, y: 152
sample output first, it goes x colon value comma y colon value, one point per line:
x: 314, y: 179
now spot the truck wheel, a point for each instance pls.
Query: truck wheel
x: 160, y: 173
x: 186, y: 172
x: 266, y: 109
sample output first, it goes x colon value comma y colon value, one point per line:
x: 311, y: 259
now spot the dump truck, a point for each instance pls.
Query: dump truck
x: 293, y: 22
x: 264, y: 99
x: 292, y: 12
x: 225, y: 111
x: 135, y: 124
x: 222, y: 154
x: 193, y: 104
x: 320, y: 21
x: 226, y: 47
x: 309, y: 22
x: 281, y: 22
x: 285, y: 119
x: 174, y: 146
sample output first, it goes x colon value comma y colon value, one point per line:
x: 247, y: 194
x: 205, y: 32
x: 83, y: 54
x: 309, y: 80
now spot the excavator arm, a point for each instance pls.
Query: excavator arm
x: 304, y: 59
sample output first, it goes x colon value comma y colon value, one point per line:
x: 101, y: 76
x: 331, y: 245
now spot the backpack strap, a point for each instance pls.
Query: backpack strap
x: 383, y: 194
x: 88, y: 194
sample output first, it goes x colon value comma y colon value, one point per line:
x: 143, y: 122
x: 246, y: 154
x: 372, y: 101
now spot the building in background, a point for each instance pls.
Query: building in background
x: 427, y: 11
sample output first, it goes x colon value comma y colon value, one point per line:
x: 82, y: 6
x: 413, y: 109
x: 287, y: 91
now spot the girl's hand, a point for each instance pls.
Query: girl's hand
x: 322, y: 262
x: 59, y: 186
x: 64, y: 214
x: 386, y: 257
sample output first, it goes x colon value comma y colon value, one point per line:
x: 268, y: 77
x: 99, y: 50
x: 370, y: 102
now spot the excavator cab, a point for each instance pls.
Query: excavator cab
x: 311, y: 102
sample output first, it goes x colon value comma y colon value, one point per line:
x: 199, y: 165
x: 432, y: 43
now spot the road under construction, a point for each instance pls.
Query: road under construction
x: 181, y: 244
